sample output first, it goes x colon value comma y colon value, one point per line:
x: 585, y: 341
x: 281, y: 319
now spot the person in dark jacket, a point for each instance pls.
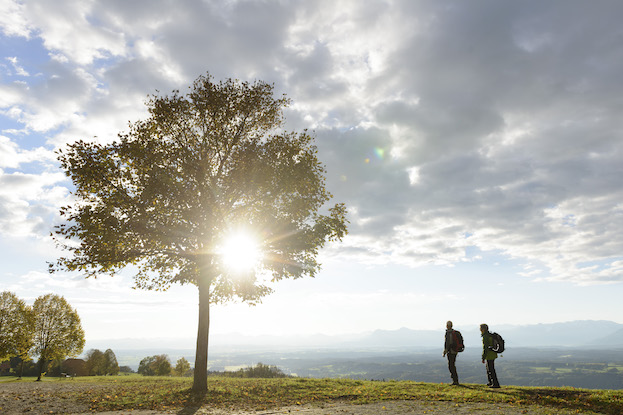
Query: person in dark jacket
x: 450, y: 349
x: 489, y: 356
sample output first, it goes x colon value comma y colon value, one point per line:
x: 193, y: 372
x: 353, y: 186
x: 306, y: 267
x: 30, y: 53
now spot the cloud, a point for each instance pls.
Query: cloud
x: 11, y: 155
x: 29, y: 203
x: 59, y: 22
x: 13, y: 21
x: 444, y: 125
x: 492, y: 160
x: 19, y: 70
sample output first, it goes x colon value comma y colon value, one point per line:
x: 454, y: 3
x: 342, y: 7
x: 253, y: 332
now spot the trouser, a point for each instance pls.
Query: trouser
x: 452, y: 367
x: 492, y: 377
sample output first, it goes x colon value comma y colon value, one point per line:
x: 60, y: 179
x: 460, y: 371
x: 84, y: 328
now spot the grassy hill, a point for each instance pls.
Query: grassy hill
x: 137, y: 392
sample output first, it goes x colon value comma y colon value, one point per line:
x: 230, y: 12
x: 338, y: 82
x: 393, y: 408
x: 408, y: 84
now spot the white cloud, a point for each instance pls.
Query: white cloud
x: 13, y: 21
x: 74, y: 30
x: 436, y: 120
x: 29, y: 203
x: 16, y: 67
x: 11, y: 155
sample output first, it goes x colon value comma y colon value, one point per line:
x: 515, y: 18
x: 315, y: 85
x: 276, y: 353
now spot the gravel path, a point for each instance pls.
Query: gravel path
x: 57, y: 398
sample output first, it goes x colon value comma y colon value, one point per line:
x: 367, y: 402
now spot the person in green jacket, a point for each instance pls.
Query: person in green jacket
x: 489, y: 356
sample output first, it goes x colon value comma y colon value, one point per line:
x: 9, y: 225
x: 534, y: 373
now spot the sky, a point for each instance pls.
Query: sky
x: 478, y: 146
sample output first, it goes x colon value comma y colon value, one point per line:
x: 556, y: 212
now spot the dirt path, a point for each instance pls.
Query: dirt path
x: 389, y: 408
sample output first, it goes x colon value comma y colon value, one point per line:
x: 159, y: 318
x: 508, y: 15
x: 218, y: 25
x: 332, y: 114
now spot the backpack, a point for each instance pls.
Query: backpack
x: 498, y: 343
x: 458, y: 340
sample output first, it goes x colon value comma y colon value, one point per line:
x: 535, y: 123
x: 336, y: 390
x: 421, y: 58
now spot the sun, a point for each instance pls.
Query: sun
x: 240, y: 252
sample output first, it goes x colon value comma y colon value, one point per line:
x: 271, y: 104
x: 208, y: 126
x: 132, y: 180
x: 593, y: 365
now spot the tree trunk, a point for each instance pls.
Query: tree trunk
x: 40, y: 365
x: 200, y: 377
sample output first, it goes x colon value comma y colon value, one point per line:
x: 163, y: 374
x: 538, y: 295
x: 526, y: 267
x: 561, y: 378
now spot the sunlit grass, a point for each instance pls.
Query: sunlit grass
x: 137, y: 392
x: 161, y: 393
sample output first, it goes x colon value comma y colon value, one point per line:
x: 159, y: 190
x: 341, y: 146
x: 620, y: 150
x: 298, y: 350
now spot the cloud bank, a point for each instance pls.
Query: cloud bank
x: 451, y: 129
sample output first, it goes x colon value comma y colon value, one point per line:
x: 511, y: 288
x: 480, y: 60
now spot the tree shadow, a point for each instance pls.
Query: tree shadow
x: 189, y: 410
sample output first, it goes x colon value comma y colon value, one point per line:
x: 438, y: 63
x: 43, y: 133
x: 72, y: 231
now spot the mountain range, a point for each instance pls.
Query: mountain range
x: 584, y: 333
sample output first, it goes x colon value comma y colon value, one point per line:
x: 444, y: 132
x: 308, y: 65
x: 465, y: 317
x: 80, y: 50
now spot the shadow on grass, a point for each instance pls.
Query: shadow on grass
x: 190, y: 410
x: 603, y: 402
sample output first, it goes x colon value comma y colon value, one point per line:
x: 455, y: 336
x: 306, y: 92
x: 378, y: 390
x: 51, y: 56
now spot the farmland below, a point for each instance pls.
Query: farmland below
x: 572, y: 367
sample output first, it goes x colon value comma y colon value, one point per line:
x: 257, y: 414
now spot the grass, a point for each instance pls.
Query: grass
x: 137, y: 392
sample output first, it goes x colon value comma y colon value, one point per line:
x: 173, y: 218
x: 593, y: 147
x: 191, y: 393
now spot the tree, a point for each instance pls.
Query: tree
x: 125, y: 369
x: 58, y: 332
x: 258, y: 371
x: 182, y: 366
x: 16, y: 328
x: 146, y: 367
x: 158, y: 365
x: 162, y: 365
x: 95, y: 362
x: 111, y: 367
x: 166, y: 195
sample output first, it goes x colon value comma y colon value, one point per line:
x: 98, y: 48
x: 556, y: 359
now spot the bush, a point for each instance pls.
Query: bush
x: 158, y: 365
x: 258, y: 371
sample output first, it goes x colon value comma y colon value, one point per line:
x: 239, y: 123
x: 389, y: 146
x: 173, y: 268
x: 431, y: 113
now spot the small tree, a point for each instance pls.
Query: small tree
x: 58, y: 332
x: 95, y: 362
x: 16, y: 329
x: 166, y: 196
x: 162, y: 365
x: 125, y: 369
x: 182, y: 367
x: 158, y: 365
x: 111, y: 367
x: 146, y: 367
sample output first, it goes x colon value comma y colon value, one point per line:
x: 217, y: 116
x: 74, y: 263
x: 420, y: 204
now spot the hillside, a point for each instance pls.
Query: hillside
x: 312, y: 396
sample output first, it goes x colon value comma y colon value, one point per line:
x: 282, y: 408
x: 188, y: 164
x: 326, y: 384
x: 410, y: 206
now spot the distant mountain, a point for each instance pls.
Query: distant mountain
x: 135, y: 344
x: 568, y: 334
x: 612, y: 340
x: 400, y: 338
x: 585, y: 333
x: 581, y: 335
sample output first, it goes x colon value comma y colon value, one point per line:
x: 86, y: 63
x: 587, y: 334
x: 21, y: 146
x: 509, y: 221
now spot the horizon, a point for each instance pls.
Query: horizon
x: 243, y: 342
x: 477, y: 148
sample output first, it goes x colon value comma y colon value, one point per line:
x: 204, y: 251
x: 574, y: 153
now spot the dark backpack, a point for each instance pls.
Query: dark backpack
x: 458, y: 340
x: 497, y: 343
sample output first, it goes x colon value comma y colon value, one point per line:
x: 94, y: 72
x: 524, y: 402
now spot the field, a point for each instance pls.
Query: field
x: 172, y: 393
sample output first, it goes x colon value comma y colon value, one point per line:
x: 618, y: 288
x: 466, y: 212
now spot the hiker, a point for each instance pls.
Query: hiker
x: 451, y: 349
x: 489, y: 356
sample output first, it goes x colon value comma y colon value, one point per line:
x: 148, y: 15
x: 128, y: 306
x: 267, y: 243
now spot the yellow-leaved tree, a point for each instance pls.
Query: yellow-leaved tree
x: 57, y: 330
x: 16, y: 328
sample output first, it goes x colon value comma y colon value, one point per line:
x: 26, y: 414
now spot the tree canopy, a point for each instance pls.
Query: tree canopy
x: 95, y: 362
x: 157, y: 365
x: 166, y: 195
x: 98, y: 363
x: 111, y: 366
x: 16, y: 327
x: 182, y: 366
x: 58, y: 332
